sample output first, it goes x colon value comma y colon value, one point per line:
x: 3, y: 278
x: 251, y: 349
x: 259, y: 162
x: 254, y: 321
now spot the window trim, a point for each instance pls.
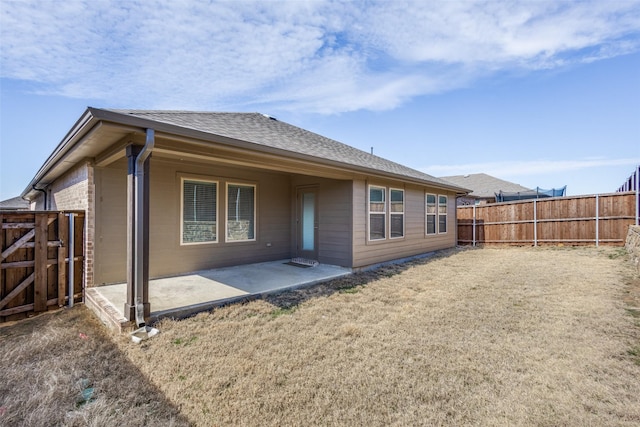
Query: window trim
x: 217, y: 230
x: 446, y: 213
x: 427, y: 214
x: 369, y: 212
x: 391, y: 214
x: 255, y: 210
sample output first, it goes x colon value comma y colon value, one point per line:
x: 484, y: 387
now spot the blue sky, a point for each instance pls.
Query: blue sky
x: 539, y: 93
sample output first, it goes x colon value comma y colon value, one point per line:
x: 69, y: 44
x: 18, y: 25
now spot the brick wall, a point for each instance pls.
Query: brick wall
x: 75, y: 190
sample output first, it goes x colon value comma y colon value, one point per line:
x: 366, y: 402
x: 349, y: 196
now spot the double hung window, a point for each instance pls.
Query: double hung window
x: 431, y: 210
x: 379, y: 227
x: 199, y: 211
x: 436, y: 212
x: 442, y: 214
x: 241, y: 212
x: 396, y: 212
x: 377, y: 213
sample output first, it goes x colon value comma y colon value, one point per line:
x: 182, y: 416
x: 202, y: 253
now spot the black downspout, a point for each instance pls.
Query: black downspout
x: 45, y: 195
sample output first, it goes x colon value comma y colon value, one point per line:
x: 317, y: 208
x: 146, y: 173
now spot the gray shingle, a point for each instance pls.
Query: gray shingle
x: 483, y: 185
x: 263, y: 130
x: 15, y: 203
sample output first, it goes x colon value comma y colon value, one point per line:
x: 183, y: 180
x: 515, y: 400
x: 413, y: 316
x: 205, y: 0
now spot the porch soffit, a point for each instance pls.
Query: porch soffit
x: 250, y: 159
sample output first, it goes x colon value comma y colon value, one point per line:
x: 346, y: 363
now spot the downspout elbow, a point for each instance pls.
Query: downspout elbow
x: 43, y: 191
x: 145, y: 152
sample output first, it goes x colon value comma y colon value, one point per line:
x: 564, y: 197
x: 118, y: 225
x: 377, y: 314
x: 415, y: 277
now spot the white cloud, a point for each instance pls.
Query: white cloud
x: 319, y: 56
x: 506, y: 169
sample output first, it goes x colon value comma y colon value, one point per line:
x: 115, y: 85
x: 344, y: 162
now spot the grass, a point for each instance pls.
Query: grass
x: 281, y: 311
x: 478, y: 337
x: 64, y: 369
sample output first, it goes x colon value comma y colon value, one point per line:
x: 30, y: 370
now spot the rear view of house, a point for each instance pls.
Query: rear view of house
x: 170, y: 192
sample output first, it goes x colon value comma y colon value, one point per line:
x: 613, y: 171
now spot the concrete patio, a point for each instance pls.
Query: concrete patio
x: 191, y: 293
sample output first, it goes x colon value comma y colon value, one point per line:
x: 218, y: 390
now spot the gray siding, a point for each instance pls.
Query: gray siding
x: 167, y: 255
x: 111, y: 223
x: 334, y: 222
x: 415, y: 241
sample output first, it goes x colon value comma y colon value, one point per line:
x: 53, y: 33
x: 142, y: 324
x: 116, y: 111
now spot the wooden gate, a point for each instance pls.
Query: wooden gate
x: 34, y: 261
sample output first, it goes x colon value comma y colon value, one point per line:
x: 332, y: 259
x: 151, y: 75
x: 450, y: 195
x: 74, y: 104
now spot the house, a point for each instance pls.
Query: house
x: 171, y: 192
x: 484, y: 187
x: 14, y: 204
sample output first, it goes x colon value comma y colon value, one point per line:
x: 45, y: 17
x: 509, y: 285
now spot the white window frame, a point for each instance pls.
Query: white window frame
x: 206, y: 181
x: 433, y: 214
x: 446, y: 215
x: 228, y: 238
x: 370, y: 212
x: 392, y: 213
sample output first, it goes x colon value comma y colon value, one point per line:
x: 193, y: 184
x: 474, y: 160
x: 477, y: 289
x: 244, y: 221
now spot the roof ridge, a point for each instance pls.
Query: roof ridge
x: 136, y: 111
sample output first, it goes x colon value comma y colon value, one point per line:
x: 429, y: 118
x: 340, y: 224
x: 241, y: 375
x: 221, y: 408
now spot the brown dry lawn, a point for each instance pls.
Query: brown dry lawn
x: 519, y: 336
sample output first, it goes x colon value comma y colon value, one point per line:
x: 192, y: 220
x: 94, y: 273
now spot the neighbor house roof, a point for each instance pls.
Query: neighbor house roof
x: 483, y: 185
x: 253, y: 131
x: 15, y: 203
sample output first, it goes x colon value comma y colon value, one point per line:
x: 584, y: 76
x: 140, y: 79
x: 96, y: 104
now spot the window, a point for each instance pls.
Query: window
x: 377, y: 213
x: 241, y: 212
x: 396, y: 211
x: 199, y: 204
x: 431, y: 213
x: 442, y: 214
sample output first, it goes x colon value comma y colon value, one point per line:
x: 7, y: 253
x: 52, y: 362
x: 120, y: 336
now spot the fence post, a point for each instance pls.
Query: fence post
x: 637, y: 176
x: 597, y: 219
x: 474, y: 225
x: 71, y: 260
x: 40, y: 266
x: 535, y: 222
x: 63, y: 232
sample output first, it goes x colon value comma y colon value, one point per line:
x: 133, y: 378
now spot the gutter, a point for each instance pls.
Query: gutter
x: 71, y: 139
x: 140, y: 226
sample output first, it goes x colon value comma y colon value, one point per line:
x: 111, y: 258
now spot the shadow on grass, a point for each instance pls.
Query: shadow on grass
x: 64, y: 368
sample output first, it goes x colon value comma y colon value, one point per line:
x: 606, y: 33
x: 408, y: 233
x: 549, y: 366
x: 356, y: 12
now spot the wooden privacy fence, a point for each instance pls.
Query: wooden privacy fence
x: 41, y: 261
x: 580, y: 220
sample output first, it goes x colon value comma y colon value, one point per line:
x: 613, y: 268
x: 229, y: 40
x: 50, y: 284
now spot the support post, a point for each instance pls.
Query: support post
x: 130, y: 304
x: 143, y: 238
x: 137, y: 307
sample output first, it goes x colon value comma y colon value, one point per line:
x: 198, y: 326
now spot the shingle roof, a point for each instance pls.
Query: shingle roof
x: 15, y: 203
x: 484, y: 185
x: 266, y: 131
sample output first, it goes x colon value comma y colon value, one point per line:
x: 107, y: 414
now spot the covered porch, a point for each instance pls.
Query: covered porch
x: 187, y: 294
